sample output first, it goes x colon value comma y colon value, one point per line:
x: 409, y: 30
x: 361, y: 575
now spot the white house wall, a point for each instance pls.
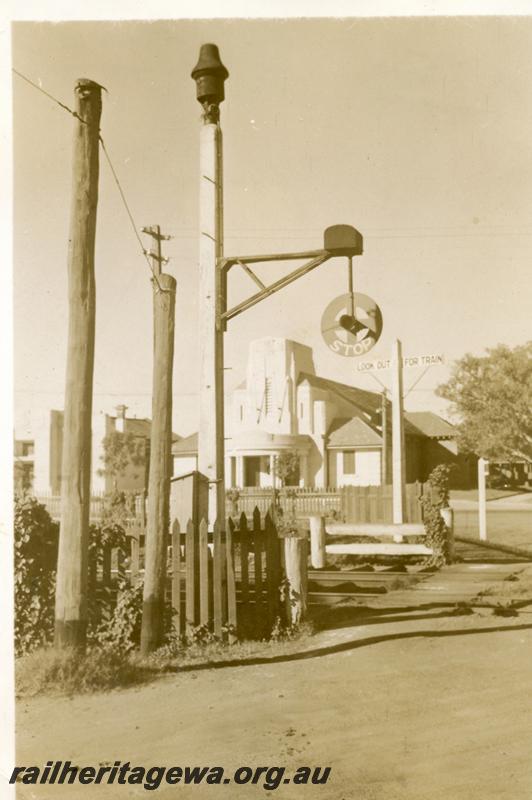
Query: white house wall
x: 294, y: 409
x: 367, y: 468
x: 184, y: 464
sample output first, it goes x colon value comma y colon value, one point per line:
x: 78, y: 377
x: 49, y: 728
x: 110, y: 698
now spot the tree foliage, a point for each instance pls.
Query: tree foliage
x: 120, y: 450
x: 287, y: 467
x: 490, y: 395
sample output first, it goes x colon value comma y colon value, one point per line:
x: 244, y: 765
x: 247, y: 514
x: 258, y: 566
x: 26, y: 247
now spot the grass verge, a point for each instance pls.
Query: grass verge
x: 67, y: 672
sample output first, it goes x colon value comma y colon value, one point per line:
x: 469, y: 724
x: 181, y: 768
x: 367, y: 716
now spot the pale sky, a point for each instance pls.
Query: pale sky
x: 416, y: 131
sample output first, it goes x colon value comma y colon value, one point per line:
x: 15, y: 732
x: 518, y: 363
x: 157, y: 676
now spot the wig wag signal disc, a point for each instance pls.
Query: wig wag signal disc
x: 350, y: 334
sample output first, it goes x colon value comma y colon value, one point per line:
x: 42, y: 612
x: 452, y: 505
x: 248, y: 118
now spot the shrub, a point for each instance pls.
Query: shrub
x: 36, y: 538
x: 121, y: 626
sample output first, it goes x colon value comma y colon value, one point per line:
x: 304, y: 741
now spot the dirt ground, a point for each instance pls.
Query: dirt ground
x: 428, y: 718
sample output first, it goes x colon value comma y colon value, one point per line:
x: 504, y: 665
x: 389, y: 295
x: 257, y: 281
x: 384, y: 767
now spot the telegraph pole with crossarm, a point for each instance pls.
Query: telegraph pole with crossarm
x: 160, y: 472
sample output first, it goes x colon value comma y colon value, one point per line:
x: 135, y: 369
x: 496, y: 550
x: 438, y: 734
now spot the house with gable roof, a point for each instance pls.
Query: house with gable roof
x: 335, y: 429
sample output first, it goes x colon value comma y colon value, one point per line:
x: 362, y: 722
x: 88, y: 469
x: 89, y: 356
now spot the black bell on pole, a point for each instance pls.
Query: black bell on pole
x: 209, y: 74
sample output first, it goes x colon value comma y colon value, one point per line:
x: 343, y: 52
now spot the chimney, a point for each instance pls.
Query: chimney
x: 120, y: 422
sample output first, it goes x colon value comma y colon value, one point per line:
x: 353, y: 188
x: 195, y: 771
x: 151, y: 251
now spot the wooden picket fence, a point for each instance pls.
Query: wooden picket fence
x: 226, y: 579
x: 223, y: 580
x: 347, y: 504
x: 375, y: 503
x: 303, y: 501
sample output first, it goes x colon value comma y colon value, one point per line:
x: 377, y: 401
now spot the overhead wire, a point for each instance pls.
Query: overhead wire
x: 155, y: 279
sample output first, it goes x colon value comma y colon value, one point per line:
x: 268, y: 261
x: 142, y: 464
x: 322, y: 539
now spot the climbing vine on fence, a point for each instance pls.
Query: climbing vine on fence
x: 432, y: 502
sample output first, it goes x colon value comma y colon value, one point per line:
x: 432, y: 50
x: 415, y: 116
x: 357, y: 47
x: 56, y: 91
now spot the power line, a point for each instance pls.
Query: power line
x: 111, y: 167
x: 47, y: 94
x: 130, y: 216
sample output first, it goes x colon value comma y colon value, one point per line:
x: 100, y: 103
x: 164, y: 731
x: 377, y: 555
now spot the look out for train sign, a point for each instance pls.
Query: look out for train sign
x: 425, y: 360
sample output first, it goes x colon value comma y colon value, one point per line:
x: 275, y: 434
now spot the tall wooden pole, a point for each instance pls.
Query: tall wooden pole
x: 210, y: 74
x: 72, y: 564
x: 398, y: 436
x: 384, y: 425
x: 158, y: 518
x: 211, y: 410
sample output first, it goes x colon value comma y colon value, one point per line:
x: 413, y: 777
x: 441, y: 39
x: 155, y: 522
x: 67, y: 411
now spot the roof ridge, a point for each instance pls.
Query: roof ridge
x: 334, y: 383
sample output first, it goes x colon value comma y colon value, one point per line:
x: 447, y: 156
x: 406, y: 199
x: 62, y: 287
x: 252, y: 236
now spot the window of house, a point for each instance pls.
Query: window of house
x: 349, y: 467
x: 267, y: 395
x: 23, y: 448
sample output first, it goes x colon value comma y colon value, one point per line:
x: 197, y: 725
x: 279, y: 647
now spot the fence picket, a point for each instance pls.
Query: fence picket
x: 272, y: 568
x: 231, y: 586
x: 177, y: 617
x: 134, y: 544
x: 191, y: 571
x: 257, y: 552
x: 372, y: 493
x: 244, y: 559
x: 217, y: 579
x: 203, y: 573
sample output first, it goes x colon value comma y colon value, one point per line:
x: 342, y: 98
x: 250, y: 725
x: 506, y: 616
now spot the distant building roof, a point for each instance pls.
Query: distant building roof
x: 138, y: 427
x: 187, y: 446
x: 353, y: 433
x: 426, y: 423
x: 367, y: 401
x: 141, y: 427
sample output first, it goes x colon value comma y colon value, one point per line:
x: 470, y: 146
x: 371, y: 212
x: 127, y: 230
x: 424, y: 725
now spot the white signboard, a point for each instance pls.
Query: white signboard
x: 426, y: 360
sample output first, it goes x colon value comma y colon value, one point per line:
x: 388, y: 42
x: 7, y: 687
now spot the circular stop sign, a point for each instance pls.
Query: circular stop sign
x: 351, y: 334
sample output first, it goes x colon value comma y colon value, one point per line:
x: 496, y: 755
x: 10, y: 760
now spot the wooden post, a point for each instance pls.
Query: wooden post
x: 317, y: 542
x: 398, y: 436
x: 158, y: 521
x: 72, y: 562
x: 448, y: 517
x: 295, y: 559
x: 483, y: 467
x: 384, y: 425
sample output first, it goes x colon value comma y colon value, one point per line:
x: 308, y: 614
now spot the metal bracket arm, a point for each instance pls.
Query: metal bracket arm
x: 251, y: 274
x: 319, y: 257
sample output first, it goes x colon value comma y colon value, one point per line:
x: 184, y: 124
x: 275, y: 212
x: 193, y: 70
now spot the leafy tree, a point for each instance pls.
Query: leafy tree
x: 284, y: 505
x: 287, y: 467
x: 120, y: 450
x: 491, y: 397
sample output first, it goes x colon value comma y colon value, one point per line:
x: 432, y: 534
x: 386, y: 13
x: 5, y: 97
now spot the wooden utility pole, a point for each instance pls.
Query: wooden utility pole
x: 72, y: 563
x: 158, y: 518
x: 384, y: 426
x: 398, y: 436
